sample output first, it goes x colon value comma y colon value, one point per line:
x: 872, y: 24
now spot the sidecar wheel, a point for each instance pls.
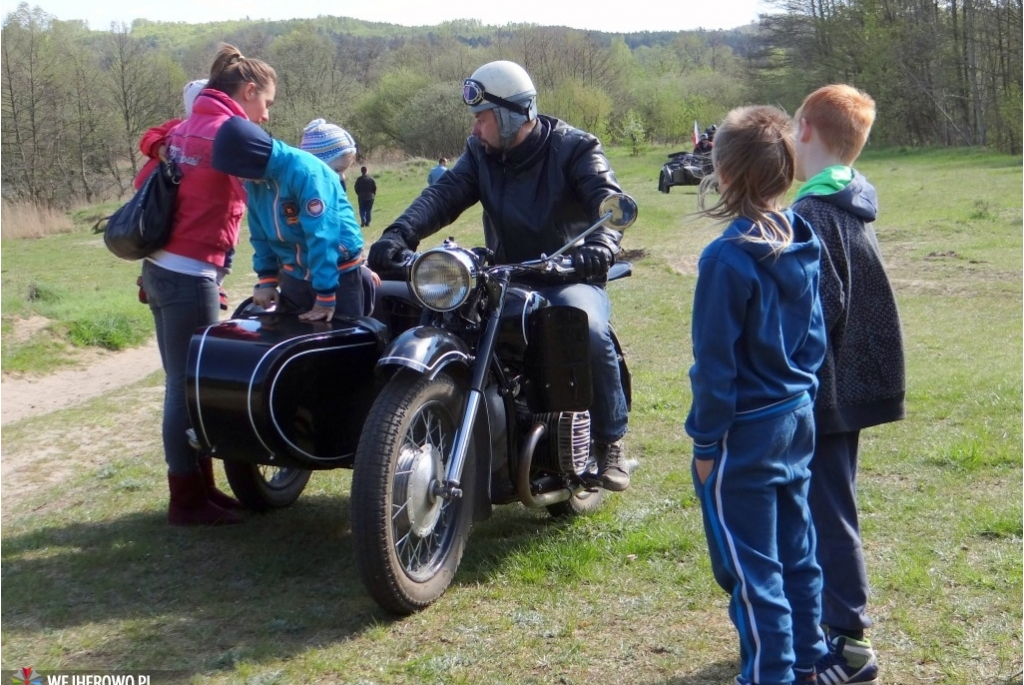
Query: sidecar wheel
x: 409, y: 541
x: 262, y: 488
x: 581, y: 504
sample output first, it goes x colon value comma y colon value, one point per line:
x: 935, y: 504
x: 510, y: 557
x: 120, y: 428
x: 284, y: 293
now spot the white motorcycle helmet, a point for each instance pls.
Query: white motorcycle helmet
x: 506, y: 88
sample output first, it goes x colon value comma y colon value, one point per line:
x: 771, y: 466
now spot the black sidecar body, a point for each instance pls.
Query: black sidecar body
x: 272, y: 389
x: 269, y: 389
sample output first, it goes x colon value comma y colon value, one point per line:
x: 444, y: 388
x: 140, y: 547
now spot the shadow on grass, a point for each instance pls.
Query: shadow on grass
x: 133, y: 592
x: 719, y: 673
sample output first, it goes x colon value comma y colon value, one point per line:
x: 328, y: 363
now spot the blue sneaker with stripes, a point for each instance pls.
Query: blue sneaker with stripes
x: 848, y: 661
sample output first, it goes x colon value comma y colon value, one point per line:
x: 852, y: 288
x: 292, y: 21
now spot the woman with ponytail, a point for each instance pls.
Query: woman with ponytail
x: 181, y: 279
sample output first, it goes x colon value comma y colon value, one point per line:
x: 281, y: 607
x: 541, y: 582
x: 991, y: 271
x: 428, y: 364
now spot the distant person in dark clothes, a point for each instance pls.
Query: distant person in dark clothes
x: 703, y: 146
x: 366, y: 191
x: 437, y: 172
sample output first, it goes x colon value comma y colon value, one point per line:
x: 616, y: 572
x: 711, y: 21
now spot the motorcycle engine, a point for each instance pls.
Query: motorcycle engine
x: 568, y: 443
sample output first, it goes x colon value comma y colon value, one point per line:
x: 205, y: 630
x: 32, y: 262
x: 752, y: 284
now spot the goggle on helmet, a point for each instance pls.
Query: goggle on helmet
x: 474, y: 92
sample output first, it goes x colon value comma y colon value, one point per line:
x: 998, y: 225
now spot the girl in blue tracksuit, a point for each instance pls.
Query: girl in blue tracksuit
x: 758, y: 339
x: 303, y: 229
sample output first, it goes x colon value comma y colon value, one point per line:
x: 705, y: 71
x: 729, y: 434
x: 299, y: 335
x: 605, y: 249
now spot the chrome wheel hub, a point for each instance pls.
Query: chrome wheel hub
x: 416, y: 480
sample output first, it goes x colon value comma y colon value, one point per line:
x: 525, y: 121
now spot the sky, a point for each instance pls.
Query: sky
x: 607, y: 15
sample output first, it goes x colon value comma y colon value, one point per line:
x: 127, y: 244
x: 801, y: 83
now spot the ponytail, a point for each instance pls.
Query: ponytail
x: 231, y: 70
x: 754, y: 154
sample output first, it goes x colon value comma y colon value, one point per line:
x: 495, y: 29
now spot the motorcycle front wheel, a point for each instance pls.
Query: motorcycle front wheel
x: 408, y: 540
x: 261, y: 487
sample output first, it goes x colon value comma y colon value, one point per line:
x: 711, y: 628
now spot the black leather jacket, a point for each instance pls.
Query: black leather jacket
x: 536, y: 197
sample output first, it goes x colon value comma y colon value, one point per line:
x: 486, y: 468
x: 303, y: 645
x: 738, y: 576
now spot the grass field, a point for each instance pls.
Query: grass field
x: 93, y: 578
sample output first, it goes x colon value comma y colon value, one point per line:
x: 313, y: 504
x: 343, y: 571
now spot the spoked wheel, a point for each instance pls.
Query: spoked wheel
x: 408, y: 540
x: 262, y: 488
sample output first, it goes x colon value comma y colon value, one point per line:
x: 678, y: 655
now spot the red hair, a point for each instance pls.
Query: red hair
x: 842, y: 115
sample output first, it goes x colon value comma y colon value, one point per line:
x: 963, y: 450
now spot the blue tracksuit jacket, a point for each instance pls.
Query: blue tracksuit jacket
x: 758, y: 339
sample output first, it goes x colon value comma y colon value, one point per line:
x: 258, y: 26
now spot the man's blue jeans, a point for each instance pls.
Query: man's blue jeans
x: 608, y: 414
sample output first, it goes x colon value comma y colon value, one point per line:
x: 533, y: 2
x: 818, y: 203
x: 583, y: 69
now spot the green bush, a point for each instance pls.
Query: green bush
x: 109, y: 331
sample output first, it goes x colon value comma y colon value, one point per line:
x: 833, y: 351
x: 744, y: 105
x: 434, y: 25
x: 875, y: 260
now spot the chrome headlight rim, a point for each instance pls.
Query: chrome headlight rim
x: 443, y: 279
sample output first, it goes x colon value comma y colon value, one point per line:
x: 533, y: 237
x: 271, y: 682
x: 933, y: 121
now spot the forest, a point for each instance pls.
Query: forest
x: 75, y: 100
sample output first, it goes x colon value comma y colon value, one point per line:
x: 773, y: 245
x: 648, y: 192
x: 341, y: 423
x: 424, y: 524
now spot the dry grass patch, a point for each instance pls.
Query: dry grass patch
x: 30, y: 220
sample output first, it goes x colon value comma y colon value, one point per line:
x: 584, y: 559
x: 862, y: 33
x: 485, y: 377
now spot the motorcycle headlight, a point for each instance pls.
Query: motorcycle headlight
x: 442, y: 280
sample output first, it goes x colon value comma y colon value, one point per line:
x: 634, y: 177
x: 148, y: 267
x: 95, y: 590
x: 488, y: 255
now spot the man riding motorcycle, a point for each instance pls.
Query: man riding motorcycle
x: 540, y: 182
x: 703, y: 146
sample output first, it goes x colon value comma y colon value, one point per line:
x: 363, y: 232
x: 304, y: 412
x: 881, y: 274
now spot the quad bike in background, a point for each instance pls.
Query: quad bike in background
x: 684, y: 169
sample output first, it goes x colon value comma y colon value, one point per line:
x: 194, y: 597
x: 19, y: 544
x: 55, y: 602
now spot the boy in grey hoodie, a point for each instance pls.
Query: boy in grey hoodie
x: 862, y: 380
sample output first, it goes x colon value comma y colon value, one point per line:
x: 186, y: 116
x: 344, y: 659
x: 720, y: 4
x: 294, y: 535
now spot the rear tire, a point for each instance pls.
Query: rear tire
x: 408, y: 541
x: 261, y: 487
x: 583, y: 503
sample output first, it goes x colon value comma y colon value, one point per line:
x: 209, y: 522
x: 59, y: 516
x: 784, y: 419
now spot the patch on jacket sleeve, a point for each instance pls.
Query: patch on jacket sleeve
x: 315, y: 207
x: 291, y: 213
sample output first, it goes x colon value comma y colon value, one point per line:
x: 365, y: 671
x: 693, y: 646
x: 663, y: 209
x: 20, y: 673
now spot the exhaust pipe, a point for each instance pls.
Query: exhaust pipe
x: 523, y: 476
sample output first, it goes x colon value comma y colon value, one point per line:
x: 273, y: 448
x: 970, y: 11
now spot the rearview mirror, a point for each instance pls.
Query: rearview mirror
x: 623, y: 211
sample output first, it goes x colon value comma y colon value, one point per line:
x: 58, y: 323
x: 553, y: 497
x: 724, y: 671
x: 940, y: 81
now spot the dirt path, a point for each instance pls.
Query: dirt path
x: 21, y: 398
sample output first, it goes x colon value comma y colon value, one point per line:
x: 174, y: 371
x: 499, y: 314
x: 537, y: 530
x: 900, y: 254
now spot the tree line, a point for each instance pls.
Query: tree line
x: 944, y: 72
x: 76, y: 100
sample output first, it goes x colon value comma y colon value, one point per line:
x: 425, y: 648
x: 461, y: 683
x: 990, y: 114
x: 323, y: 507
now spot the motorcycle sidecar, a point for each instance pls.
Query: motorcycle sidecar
x: 276, y: 398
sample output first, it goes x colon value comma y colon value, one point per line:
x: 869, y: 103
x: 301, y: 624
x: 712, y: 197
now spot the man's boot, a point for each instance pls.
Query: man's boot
x: 611, y: 465
x: 221, y: 499
x: 191, y: 507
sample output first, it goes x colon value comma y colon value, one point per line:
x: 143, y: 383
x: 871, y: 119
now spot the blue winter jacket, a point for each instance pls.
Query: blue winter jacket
x: 758, y: 331
x: 301, y: 221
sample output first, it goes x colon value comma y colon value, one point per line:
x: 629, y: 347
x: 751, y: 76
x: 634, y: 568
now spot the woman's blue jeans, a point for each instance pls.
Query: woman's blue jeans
x: 180, y: 304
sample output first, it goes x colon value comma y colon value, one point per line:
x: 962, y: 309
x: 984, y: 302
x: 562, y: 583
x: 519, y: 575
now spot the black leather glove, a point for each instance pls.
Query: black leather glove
x: 592, y: 261
x: 389, y: 255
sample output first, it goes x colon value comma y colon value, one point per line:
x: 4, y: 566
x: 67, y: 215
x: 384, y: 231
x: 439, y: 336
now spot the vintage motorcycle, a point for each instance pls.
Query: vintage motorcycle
x: 486, y: 402
x: 684, y: 169
x: 466, y: 389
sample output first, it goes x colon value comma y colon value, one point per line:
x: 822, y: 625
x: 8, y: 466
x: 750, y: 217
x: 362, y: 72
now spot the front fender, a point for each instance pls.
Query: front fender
x: 426, y: 350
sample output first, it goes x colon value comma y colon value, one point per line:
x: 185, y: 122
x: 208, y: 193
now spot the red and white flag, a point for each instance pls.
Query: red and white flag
x: 696, y: 133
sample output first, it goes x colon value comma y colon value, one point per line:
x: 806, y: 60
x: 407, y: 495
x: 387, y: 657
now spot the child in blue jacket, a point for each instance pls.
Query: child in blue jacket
x: 758, y: 339
x: 303, y: 229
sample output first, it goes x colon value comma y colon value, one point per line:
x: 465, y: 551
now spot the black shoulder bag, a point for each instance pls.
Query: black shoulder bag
x: 143, y: 224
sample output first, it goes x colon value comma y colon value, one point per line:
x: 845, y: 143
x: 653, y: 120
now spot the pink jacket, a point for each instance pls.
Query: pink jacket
x: 209, y: 207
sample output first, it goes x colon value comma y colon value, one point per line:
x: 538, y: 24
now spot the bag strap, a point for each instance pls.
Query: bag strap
x: 167, y: 168
x: 171, y: 171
